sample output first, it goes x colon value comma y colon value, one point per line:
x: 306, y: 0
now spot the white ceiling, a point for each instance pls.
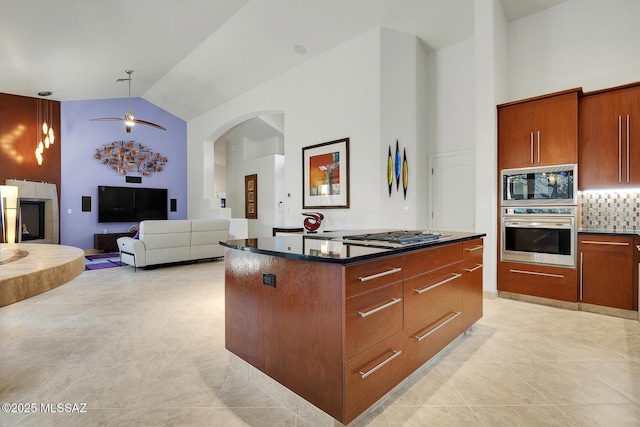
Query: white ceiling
x: 192, y: 55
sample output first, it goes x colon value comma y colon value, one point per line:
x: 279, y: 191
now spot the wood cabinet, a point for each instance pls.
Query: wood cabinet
x: 609, y: 149
x: 538, y: 280
x: 108, y: 242
x: 606, y: 271
x: 342, y: 336
x: 539, y: 131
x: 472, y: 252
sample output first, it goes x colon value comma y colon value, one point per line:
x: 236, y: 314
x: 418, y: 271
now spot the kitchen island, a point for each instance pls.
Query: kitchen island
x: 340, y: 323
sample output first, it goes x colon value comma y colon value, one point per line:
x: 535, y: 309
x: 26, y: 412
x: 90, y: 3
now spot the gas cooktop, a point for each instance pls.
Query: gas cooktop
x: 401, y: 237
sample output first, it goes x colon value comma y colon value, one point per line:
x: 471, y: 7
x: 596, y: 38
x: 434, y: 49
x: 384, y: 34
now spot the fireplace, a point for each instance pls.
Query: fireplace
x: 32, y: 220
x: 38, y: 216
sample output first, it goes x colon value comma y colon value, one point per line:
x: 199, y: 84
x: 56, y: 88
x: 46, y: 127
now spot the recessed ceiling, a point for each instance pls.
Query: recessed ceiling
x: 191, y: 56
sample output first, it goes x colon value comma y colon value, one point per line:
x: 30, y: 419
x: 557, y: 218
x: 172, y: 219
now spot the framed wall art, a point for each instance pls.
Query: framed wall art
x: 325, y: 175
x: 251, y: 196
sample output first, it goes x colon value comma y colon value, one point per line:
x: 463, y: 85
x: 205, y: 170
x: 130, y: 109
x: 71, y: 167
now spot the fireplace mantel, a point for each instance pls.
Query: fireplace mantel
x: 37, y: 191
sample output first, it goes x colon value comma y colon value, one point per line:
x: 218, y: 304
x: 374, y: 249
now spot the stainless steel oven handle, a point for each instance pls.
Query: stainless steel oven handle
x: 538, y: 224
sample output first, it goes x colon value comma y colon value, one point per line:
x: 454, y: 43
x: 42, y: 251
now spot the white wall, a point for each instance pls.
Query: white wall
x: 593, y: 44
x: 451, y: 108
x: 332, y: 96
x: 398, y: 121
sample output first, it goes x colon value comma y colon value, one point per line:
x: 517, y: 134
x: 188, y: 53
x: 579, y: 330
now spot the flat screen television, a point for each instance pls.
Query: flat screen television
x: 131, y: 204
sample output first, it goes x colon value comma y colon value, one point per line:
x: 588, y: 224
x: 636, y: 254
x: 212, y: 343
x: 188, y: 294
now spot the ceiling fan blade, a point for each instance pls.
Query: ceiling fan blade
x: 107, y: 119
x: 144, y: 122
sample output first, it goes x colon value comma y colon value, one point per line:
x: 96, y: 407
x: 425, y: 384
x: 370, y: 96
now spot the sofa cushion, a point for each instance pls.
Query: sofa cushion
x: 160, y: 234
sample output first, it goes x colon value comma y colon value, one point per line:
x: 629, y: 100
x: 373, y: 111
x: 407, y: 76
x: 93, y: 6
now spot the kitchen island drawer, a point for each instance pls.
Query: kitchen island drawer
x: 442, y: 326
x: 372, y: 374
x: 366, y: 276
x: 472, y: 248
x: 424, y: 261
x: 427, y: 292
x: 372, y: 317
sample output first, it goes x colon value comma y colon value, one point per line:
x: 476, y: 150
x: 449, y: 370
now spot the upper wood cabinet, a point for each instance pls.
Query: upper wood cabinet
x: 609, y: 151
x: 538, y: 132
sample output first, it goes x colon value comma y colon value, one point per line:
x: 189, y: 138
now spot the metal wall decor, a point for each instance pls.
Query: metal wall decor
x: 130, y: 157
x: 398, y: 168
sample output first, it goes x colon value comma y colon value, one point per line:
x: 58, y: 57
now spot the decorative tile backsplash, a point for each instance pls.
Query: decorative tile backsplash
x: 610, y: 210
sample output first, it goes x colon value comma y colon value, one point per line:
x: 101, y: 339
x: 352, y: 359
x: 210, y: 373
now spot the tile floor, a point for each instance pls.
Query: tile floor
x: 147, y: 349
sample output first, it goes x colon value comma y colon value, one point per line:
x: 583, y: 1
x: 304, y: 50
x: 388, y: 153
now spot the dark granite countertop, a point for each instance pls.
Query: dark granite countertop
x: 329, y: 247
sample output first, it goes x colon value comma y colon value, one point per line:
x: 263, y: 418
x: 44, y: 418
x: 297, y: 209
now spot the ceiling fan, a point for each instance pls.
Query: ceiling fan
x: 129, y: 120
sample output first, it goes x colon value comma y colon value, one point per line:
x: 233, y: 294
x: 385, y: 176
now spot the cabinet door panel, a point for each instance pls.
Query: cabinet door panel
x: 472, y: 290
x: 367, y: 276
x: 601, y: 134
x: 473, y: 248
x: 426, y: 260
x: 442, y: 326
x: 556, y: 133
x: 632, y: 106
x: 516, y: 136
x: 372, y: 374
x: 538, y: 280
x: 427, y: 292
x: 606, y: 271
x: 372, y: 317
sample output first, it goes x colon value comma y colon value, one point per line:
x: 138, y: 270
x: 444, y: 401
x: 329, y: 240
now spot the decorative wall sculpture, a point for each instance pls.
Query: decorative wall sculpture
x: 398, y: 168
x: 129, y: 157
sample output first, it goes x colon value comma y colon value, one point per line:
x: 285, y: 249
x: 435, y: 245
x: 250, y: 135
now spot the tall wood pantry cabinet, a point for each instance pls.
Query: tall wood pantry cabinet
x: 609, y: 152
x: 539, y: 131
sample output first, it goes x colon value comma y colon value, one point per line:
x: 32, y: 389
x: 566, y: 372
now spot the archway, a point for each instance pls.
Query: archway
x: 250, y: 144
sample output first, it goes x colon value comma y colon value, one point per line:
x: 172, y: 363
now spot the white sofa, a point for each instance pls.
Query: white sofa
x: 168, y: 241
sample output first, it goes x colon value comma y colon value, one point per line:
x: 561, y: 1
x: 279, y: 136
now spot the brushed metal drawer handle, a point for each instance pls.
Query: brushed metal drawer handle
x: 395, y: 354
x: 375, y: 276
x: 382, y: 307
x: 454, y: 276
x: 455, y: 314
x: 593, y: 242
x: 475, y: 248
x: 471, y: 270
x: 533, y: 273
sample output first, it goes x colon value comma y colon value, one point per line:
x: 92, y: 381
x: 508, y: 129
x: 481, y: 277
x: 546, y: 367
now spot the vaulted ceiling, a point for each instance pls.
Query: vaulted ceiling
x: 190, y: 56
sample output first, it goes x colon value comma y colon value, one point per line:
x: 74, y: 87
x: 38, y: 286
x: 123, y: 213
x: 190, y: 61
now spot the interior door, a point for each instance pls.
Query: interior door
x: 453, y: 191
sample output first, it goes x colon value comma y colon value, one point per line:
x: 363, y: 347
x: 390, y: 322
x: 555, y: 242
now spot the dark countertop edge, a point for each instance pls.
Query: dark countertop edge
x: 385, y: 251
x: 609, y: 232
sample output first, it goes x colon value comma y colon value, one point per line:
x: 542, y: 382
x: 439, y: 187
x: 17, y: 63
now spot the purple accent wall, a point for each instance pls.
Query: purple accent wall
x: 82, y: 174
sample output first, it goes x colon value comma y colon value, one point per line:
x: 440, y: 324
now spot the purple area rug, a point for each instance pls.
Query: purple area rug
x: 102, y: 256
x: 100, y: 261
x: 101, y: 265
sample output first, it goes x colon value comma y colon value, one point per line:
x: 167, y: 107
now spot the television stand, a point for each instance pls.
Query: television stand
x: 108, y: 242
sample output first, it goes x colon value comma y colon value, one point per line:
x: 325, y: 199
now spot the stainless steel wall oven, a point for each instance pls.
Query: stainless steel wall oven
x: 545, y: 185
x: 539, y: 235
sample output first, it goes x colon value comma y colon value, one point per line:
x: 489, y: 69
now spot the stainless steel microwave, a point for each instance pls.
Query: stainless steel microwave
x: 555, y: 185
